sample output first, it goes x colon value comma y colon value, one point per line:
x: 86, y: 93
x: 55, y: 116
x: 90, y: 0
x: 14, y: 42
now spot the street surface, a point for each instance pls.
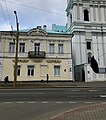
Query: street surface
x: 41, y: 104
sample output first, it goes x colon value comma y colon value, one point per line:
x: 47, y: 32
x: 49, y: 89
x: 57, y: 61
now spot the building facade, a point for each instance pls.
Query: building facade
x: 87, y: 23
x: 40, y: 52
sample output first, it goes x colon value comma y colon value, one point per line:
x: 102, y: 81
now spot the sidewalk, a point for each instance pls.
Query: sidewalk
x: 61, y: 84
x: 91, y: 112
x: 79, y: 84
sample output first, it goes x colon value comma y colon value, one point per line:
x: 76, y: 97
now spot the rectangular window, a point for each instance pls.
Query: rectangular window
x: 18, y: 70
x: 11, y: 47
x: 89, y: 45
x: 60, y: 48
x: 30, y: 70
x: 51, y: 48
x: 22, y: 47
x: 57, y: 70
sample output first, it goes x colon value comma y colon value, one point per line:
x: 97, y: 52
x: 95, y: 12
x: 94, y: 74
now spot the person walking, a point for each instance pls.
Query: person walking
x: 6, y: 80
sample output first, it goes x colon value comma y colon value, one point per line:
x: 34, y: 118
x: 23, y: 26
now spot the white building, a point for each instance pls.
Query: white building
x: 87, y: 23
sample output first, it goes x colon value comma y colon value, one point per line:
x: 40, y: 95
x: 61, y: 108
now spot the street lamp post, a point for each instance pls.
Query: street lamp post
x: 16, y: 52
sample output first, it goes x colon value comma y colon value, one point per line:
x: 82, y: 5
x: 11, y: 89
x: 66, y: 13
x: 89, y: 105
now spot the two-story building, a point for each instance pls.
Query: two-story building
x: 40, y: 52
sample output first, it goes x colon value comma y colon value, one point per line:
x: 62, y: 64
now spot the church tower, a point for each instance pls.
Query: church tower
x: 86, y: 21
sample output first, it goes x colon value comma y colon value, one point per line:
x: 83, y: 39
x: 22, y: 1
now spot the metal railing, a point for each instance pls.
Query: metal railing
x: 36, y: 54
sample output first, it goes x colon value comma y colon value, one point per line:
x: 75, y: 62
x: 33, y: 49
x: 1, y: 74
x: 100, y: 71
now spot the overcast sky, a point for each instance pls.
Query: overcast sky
x: 32, y: 13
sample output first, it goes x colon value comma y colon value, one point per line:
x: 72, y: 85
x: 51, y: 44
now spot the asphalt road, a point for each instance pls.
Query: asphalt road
x: 41, y: 104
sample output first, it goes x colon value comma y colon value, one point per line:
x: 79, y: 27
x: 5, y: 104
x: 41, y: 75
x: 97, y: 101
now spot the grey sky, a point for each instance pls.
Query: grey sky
x: 32, y: 13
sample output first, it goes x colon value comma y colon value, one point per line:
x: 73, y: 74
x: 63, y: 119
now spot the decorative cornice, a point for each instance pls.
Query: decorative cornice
x: 36, y: 31
x: 37, y: 61
x: 79, y: 32
x: 21, y: 61
x: 98, y: 33
x: 53, y: 61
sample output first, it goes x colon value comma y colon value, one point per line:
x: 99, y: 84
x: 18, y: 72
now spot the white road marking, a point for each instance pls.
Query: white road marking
x: 94, y: 90
x: 44, y: 102
x: 72, y: 102
x: 55, y: 102
x: 73, y: 90
x: 102, y: 96
x: 31, y: 102
x: 58, y: 102
x: 20, y: 102
x: 88, y: 102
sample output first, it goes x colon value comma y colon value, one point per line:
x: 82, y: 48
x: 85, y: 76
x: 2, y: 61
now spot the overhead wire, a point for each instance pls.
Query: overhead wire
x: 16, y: 3
x: 34, y: 8
x: 10, y: 21
x: 3, y: 14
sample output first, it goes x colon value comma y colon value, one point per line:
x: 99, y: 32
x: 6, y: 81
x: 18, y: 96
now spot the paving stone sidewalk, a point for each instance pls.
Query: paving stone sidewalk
x: 79, y: 84
x: 61, y: 84
x: 91, y: 112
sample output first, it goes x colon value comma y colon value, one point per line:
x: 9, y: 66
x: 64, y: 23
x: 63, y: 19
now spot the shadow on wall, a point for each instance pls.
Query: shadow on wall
x: 94, y: 65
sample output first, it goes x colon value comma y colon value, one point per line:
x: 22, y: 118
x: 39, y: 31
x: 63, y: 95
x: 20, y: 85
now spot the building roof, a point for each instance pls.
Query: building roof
x: 56, y: 29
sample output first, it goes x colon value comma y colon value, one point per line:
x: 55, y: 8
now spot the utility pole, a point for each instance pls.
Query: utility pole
x: 16, y: 52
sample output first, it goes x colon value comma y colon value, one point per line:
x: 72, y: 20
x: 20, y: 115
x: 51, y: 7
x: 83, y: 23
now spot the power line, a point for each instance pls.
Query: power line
x: 8, y: 14
x: 35, y: 8
x: 3, y: 14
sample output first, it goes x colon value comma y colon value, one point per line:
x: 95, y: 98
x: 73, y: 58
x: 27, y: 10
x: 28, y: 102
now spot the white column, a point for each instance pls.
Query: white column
x: 96, y: 14
x: 81, y: 13
x: 91, y: 14
x: 102, y: 15
x: 74, y: 15
x: 105, y: 14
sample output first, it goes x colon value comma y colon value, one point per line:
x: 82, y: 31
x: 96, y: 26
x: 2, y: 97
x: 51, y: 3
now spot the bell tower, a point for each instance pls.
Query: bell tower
x: 86, y: 10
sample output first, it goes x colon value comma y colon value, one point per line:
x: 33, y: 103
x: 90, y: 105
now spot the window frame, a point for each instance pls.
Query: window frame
x: 88, y: 44
x: 57, y: 70
x: 51, y: 48
x: 18, y: 70
x: 60, y: 48
x: 22, y: 48
x: 30, y: 71
x: 11, y: 47
x: 86, y: 15
x: 37, y: 47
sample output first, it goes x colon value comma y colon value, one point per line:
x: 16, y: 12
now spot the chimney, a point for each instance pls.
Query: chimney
x: 44, y: 27
x: 39, y: 27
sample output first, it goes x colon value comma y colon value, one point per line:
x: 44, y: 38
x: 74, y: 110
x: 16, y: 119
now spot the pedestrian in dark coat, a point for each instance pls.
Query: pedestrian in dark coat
x: 6, y: 80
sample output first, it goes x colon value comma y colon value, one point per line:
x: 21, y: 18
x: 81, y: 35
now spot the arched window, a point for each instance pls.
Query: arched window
x: 86, y: 15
